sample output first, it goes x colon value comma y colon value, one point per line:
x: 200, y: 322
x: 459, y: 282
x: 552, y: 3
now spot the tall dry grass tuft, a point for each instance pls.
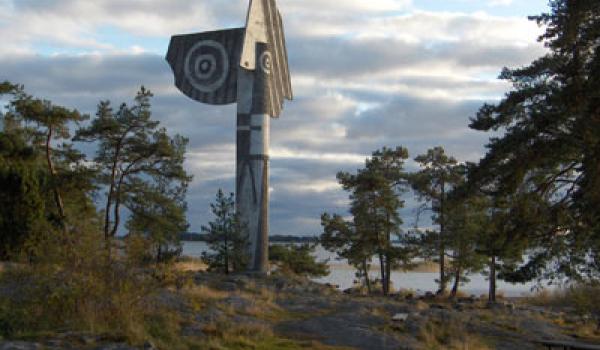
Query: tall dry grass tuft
x: 582, y: 299
x: 72, y: 284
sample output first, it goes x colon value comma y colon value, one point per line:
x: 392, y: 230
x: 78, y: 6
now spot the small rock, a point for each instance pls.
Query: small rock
x: 401, y: 317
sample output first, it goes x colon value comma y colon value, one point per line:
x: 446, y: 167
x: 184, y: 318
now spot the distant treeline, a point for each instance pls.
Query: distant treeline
x: 200, y: 237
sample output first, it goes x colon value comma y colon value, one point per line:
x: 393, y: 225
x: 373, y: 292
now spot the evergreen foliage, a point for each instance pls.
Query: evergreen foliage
x: 341, y: 237
x: 375, y: 204
x: 298, y: 259
x: 35, y: 175
x: 438, y: 175
x: 142, y: 166
x: 225, y: 237
x: 550, y: 146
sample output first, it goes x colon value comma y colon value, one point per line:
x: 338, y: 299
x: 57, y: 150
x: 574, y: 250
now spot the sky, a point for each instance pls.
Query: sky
x: 365, y: 74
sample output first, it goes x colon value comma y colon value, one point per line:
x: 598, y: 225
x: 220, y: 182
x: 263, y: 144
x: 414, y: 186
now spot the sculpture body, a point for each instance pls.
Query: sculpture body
x: 248, y: 66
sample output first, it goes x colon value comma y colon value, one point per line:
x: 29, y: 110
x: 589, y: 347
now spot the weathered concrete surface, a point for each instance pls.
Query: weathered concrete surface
x: 252, y: 173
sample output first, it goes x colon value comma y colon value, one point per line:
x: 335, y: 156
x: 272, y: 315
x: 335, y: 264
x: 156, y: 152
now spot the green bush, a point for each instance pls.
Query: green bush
x: 298, y: 259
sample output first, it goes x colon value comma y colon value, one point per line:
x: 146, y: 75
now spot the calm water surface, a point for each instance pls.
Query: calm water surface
x: 342, y: 274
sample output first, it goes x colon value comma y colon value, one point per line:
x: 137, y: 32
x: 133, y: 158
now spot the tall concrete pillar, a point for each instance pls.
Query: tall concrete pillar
x: 252, y: 172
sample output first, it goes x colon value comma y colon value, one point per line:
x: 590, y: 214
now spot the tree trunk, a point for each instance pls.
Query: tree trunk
x: 111, y: 189
x: 57, y: 195
x: 442, y: 243
x: 117, y: 209
x: 113, y: 176
x: 456, y: 283
x: 388, y: 258
x: 492, y: 291
x: 226, y: 257
x: 388, y: 268
x: 382, y: 269
x: 367, y: 279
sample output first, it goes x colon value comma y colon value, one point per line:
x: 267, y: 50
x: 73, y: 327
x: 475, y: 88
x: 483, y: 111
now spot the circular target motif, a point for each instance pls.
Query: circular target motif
x: 266, y: 62
x: 206, y: 66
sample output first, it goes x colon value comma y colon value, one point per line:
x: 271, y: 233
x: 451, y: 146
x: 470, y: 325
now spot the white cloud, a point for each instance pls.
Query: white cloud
x: 286, y: 153
x: 365, y: 74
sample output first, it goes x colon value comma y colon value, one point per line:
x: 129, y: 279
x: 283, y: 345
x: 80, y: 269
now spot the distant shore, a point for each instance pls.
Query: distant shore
x: 199, y: 237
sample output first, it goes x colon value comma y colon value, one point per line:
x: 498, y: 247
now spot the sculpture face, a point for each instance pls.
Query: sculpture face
x: 206, y: 65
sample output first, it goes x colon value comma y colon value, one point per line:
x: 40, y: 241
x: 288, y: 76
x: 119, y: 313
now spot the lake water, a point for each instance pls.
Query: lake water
x: 342, y: 274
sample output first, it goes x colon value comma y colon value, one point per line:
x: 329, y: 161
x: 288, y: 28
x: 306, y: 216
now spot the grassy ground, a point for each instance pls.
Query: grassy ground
x: 188, y: 309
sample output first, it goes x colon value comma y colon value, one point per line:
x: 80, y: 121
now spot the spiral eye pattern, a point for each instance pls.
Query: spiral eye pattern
x: 266, y: 62
x: 206, y: 66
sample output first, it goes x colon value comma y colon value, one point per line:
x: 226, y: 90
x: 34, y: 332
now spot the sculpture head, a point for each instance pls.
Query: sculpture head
x: 206, y: 65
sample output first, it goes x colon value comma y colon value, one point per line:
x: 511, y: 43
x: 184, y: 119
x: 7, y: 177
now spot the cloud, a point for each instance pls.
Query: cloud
x: 366, y: 74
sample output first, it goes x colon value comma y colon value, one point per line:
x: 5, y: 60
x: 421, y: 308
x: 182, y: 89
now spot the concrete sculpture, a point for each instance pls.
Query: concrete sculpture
x: 248, y: 66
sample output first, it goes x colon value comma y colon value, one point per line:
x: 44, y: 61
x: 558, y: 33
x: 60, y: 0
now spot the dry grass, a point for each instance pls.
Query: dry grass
x: 190, y: 265
x: 425, y: 267
x: 547, y: 297
x: 578, y: 300
x: 7, y: 266
x: 201, y: 296
x: 450, y: 335
x: 262, y: 306
x: 583, y: 298
x: 223, y: 335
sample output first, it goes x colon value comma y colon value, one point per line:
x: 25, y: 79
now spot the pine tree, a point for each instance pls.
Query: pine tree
x: 43, y: 186
x: 341, y: 237
x: 22, y: 183
x: 225, y: 237
x: 375, y: 196
x: 44, y: 124
x: 54, y: 121
x: 550, y: 147
x: 439, y: 174
x: 298, y: 259
x: 466, y: 222
x: 158, y: 214
x: 133, y: 154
